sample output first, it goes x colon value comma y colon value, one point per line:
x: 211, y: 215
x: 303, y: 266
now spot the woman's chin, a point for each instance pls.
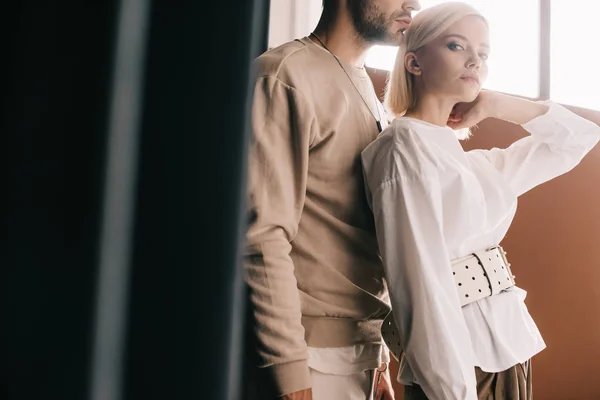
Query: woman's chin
x: 469, y: 96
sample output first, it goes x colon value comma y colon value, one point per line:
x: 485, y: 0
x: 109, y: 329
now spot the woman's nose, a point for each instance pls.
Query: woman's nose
x: 474, y: 60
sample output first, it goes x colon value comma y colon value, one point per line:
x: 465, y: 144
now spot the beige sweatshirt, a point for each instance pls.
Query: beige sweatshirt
x: 312, y: 263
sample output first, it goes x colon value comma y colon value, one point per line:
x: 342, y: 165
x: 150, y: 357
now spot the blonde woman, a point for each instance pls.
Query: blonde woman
x: 440, y: 213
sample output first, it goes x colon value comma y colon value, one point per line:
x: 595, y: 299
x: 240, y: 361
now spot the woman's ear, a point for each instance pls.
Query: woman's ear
x: 411, y: 63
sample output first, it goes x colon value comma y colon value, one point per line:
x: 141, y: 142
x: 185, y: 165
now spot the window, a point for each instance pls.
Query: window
x: 566, y: 69
x: 575, y: 65
x: 514, y: 59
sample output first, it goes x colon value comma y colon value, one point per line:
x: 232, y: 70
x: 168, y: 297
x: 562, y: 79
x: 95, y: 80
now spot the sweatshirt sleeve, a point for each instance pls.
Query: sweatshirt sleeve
x: 282, y: 128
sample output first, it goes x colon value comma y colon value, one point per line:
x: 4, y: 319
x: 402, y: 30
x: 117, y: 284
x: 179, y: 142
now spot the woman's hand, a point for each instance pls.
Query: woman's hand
x: 490, y: 104
x: 467, y: 115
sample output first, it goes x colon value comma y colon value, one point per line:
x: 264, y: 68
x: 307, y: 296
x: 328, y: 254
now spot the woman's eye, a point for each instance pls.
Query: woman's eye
x: 455, y: 46
x: 484, y: 56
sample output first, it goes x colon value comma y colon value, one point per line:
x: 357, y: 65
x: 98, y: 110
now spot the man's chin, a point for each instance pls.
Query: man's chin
x: 393, y: 39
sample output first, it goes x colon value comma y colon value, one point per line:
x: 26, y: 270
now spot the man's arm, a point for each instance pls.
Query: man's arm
x: 305, y: 394
x: 282, y: 122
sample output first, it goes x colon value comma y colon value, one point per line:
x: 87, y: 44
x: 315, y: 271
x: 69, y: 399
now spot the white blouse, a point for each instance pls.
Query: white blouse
x: 434, y: 202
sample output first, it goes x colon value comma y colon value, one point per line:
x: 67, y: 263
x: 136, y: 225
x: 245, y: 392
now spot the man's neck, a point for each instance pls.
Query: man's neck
x: 433, y: 109
x: 340, y: 37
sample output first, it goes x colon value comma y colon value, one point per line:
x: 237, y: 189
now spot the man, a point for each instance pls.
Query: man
x: 312, y: 265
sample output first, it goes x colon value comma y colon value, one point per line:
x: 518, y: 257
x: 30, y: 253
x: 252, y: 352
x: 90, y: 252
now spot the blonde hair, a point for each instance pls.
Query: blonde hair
x: 427, y: 26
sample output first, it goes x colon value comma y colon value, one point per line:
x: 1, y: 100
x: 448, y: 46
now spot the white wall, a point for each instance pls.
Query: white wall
x: 291, y: 19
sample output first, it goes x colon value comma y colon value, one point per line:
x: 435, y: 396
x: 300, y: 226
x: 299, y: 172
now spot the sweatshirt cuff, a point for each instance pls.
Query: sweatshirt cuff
x: 291, y: 377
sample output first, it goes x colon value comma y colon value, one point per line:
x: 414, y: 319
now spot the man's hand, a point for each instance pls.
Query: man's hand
x: 305, y: 394
x: 382, y: 384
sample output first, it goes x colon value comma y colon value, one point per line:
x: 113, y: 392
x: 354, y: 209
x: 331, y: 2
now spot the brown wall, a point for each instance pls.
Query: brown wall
x: 554, y: 248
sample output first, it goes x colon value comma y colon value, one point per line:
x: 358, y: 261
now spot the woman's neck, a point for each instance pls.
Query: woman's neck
x: 432, y: 109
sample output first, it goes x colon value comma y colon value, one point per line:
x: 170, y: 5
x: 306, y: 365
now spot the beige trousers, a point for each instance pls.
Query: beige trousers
x: 342, y: 387
x: 512, y: 384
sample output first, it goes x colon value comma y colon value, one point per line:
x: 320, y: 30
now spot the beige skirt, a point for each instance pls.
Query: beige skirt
x: 512, y: 384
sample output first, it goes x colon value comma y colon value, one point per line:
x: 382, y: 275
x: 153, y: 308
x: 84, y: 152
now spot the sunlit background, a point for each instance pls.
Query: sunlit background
x: 575, y: 67
x: 515, y: 32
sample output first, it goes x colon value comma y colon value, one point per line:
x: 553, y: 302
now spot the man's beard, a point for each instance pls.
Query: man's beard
x: 371, y: 24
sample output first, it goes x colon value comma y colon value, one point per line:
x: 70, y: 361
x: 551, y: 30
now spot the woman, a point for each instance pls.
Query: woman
x: 440, y: 212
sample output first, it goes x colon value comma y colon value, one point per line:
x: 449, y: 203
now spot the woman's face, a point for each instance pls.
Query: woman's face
x: 454, y: 64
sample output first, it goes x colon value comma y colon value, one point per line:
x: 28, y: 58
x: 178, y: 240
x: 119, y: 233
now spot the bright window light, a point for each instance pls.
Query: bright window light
x: 574, y: 53
x: 514, y: 36
x: 382, y: 57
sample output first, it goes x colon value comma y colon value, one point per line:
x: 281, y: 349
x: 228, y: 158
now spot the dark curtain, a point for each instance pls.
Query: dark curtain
x: 172, y: 282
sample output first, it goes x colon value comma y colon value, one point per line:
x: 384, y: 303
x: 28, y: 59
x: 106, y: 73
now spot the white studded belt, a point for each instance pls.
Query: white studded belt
x: 478, y: 275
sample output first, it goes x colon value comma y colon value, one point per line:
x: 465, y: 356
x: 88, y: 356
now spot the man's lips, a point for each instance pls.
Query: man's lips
x: 404, y: 22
